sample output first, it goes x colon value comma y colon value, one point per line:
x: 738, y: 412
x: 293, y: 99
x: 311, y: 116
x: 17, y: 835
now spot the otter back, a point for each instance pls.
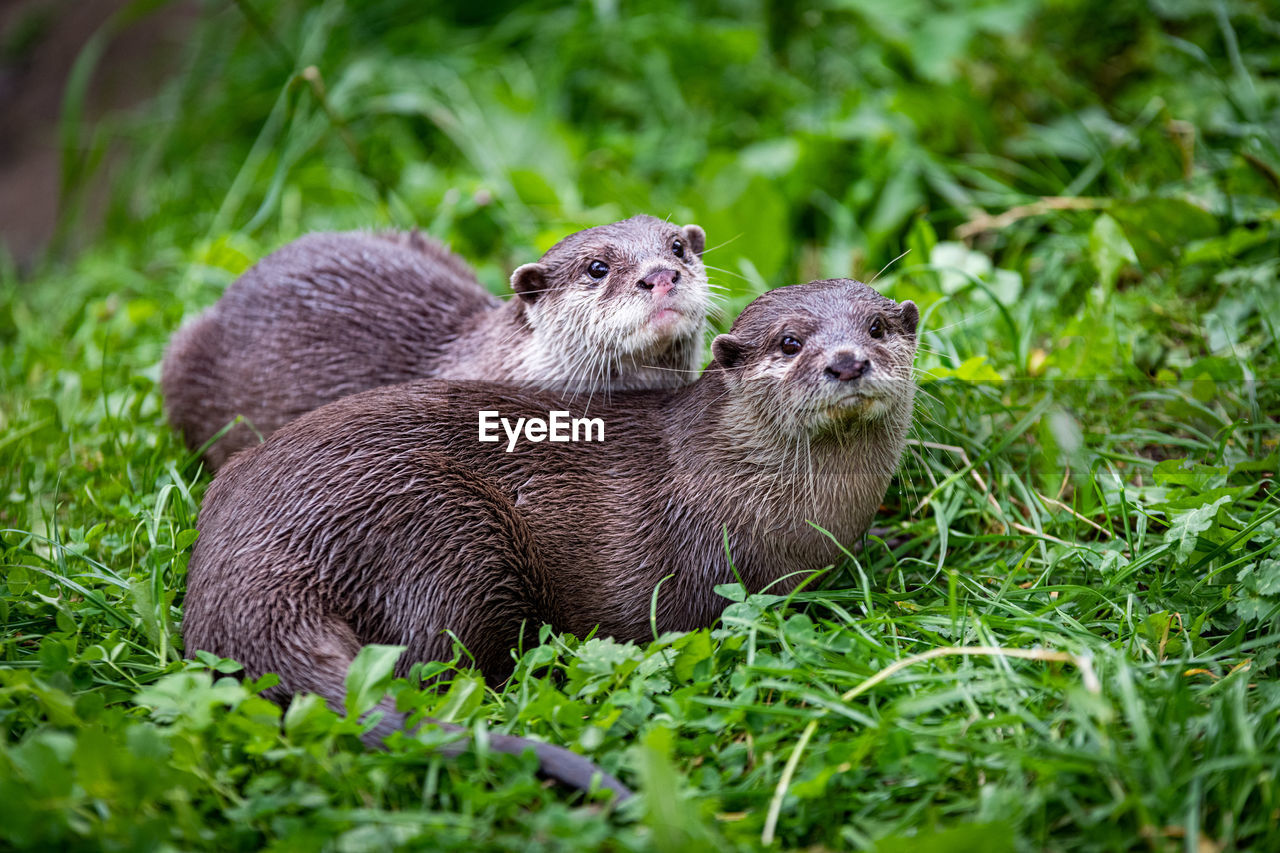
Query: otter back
x: 326, y: 316
x: 613, y: 307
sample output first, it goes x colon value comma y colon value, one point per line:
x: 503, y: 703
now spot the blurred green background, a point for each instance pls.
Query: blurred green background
x: 1081, y: 196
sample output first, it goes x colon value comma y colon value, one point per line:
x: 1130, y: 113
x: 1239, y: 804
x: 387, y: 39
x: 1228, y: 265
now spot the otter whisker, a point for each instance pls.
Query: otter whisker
x: 886, y: 266
x: 720, y: 245
x: 969, y: 318
x: 728, y: 272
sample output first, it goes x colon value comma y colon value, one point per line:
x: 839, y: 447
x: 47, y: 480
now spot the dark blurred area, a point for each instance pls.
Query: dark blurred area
x: 40, y: 42
x: 817, y: 140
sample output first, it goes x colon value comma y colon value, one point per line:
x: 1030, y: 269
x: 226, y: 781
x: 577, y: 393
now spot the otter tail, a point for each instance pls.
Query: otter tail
x: 554, y: 762
x: 317, y: 658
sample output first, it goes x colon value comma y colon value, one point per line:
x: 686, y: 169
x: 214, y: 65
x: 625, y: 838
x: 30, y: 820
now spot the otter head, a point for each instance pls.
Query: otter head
x: 628, y: 295
x: 819, y: 358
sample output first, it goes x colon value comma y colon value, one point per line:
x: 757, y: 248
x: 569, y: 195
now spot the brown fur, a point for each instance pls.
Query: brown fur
x: 333, y: 314
x: 382, y: 519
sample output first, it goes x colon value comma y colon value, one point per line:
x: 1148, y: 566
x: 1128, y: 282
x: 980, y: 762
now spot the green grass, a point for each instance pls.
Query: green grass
x: 1092, y: 487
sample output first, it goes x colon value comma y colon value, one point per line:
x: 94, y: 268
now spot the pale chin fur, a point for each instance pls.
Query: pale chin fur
x: 625, y: 333
x: 586, y: 353
x: 866, y: 405
x: 639, y: 337
x: 631, y: 332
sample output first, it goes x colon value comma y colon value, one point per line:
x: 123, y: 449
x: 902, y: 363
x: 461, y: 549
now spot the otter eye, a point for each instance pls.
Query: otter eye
x: 790, y: 345
x: 598, y: 270
x: 678, y: 248
x: 876, y: 329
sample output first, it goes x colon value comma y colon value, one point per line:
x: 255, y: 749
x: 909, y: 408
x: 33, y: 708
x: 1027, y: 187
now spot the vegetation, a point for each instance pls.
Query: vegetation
x: 1086, y: 194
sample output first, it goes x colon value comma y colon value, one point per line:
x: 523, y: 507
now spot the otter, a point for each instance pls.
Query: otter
x: 610, y: 308
x: 381, y: 518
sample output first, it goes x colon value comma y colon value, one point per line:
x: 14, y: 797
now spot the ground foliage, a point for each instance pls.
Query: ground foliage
x: 1087, y: 195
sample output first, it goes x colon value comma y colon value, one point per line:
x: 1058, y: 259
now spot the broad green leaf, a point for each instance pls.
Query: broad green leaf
x: 369, y: 675
x: 1185, y: 472
x: 973, y: 369
x: 732, y: 591
x: 1109, y: 249
x: 1187, y: 526
x: 465, y: 695
x: 695, y: 649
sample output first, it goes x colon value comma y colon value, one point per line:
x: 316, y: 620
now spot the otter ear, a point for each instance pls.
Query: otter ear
x: 727, y: 351
x: 696, y: 238
x: 529, y: 281
x: 910, y: 316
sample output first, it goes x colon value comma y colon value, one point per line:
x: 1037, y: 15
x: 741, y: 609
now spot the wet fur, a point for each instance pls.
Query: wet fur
x: 333, y: 314
x: 381, y: 519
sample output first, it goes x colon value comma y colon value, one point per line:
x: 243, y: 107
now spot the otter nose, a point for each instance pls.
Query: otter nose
x: 661, y: 282
x: 845, y: 366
